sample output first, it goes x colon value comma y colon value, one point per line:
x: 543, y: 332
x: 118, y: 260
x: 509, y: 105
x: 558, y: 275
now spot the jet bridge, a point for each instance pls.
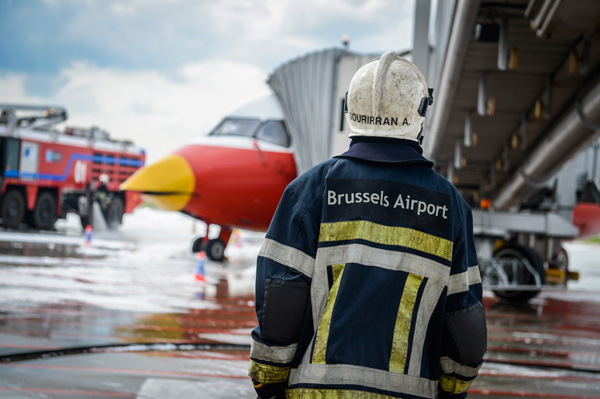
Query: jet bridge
x: 518, y: 96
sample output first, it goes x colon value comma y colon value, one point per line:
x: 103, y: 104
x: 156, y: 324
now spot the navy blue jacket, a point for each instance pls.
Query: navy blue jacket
x: 367, y: 282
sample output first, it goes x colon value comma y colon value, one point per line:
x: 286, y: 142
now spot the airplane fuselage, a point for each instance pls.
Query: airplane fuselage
x: 238, y: 180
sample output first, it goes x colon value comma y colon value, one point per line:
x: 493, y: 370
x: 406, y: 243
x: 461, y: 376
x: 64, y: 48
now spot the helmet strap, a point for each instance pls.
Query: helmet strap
x: 346, y: 103
x: 425, y: 103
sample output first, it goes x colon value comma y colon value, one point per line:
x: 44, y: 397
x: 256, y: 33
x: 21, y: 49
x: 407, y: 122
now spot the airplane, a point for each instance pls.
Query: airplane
x: 233, y: 177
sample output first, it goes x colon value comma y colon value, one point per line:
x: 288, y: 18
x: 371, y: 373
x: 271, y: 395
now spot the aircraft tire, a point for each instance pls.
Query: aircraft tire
x: 44, y: 213
x: 12, y: 209
x: 215, y: 249
x: 114, y: 214
x: 522, y: 276
x: 197, y: 245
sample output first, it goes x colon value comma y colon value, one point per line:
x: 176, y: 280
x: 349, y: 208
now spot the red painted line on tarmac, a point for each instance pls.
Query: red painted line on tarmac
x: 537, y: 351
x: 194, y: 356
x: 537, y: 377
x: 24, y: 346
x: 573, y: 333
x: 185, y: 329
x: 77, y: 392
x: 124, y: 337
x: 560, y: 365
x: 123, y: 371
x: 522, y: 394
x: 544, y: 341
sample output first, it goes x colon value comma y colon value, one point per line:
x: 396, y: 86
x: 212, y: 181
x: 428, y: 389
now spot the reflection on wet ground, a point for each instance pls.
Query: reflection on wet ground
x: 548, y: 348
x: 51, y: 250
x: 138, y: 325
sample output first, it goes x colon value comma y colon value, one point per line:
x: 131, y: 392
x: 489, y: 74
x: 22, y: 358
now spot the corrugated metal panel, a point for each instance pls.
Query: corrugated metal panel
x: 304, y: 87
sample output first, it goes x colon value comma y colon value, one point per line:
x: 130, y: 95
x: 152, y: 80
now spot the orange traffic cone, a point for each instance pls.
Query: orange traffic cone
x: 200, y: 266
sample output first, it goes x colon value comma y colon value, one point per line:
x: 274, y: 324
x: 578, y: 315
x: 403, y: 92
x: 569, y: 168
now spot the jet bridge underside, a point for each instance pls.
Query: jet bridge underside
x: 518, y: 94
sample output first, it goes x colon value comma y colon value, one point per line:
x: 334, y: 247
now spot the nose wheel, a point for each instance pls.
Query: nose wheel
x: 215, y: 247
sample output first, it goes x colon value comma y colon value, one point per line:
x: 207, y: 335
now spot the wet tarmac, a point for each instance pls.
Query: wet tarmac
x: 123, y: 317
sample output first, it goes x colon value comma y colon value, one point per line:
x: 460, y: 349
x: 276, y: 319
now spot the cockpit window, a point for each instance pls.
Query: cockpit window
x: 236, y: 127
x: 274, y: 132
x: 270, y: 131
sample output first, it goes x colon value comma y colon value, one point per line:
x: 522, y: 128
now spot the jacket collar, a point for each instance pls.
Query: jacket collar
x: 379, y: 149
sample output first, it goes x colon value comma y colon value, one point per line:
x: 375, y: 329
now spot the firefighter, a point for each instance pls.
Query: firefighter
x: 102, y: 194
x: 367, y: 283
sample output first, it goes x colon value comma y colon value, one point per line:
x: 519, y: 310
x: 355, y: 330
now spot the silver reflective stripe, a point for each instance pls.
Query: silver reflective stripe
x: 287, y: 256
x: 391, y: 260
x: 460, y: 282
x: 344, y: 374
x: 431, y: 296
x: 274, y: 354
x: 368, y: 256
x: 450, y: 367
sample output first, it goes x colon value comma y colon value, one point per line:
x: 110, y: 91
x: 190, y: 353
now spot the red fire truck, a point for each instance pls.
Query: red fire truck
x: 46, y: 173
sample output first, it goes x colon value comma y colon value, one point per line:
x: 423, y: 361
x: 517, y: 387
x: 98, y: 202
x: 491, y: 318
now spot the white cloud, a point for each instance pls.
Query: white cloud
x: 161, y: 72
x: 12, y: 89
x: 156, y: 112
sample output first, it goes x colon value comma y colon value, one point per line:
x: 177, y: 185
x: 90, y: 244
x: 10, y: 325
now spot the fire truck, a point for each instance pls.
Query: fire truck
x: 46, y: 172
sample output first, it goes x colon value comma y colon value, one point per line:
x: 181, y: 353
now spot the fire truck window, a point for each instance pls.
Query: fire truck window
x: 12, y: 155
x: 274, y: 132
x: 236, y: 127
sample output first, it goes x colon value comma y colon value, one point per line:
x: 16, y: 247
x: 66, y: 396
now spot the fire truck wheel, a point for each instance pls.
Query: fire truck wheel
x: 114, y: 213
x: 12, y: 210
x: 44, y: 213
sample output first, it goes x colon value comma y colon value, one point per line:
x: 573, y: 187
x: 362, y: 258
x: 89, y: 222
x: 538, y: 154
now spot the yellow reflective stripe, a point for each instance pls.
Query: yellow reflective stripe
x: 403, y: 323
x: 325, y: 324
x: 300, y: 393
x: 386, y: 235
x: 454, y: 385
x: 268, y: 374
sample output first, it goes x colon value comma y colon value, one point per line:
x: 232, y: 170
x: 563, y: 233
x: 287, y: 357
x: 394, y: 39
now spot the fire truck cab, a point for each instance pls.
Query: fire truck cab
x: 46, y: 173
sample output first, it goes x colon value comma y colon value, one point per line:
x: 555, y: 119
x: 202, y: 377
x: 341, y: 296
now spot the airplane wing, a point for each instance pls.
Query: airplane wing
x: 517, y: 92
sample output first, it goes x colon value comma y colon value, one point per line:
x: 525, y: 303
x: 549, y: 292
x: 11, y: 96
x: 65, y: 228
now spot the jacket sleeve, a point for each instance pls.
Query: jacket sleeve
x: 283, y: 276
x: 465, y: 331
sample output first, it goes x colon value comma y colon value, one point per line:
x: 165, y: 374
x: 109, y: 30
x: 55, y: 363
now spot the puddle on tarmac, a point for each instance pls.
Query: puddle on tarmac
x: 46, y: 249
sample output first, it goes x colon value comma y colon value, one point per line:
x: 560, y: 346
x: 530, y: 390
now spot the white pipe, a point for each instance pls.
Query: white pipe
x: 460, y: 37
x: 566, y: 139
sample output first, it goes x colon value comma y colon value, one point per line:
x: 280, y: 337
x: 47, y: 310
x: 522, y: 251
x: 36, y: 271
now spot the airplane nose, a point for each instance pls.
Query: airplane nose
x: 168, y: 183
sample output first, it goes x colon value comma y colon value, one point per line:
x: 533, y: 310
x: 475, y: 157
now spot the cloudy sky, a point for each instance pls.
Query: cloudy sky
x: 162, y: 72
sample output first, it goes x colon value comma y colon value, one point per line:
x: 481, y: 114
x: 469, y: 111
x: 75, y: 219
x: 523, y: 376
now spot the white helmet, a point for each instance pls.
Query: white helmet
x: 104, y: 178
x: 388, y: 97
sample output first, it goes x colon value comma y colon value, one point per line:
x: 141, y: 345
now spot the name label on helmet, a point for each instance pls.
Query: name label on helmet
x: 388, y: 202
x: 376, y: 120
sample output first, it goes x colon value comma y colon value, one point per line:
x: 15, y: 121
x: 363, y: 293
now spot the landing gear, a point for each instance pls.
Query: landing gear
x: 215, y: 247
